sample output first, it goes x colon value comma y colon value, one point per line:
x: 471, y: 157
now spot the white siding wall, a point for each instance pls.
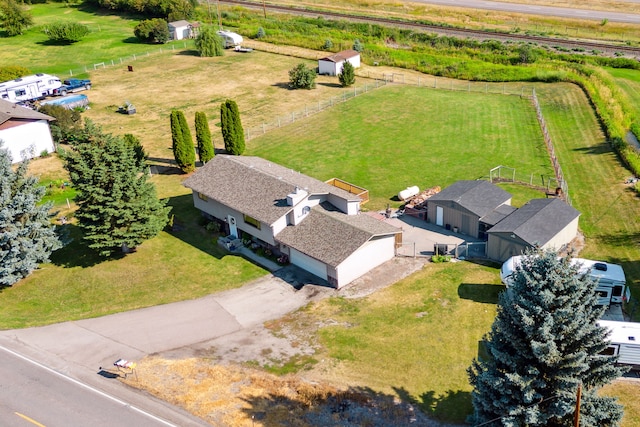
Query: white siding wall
x: 28, y: 140
x: 346, y: 206
x: 279, y: 225
x: 368, y: 256
x: 265, y: 233
x: 327, y: 67
x: 307, y: 263
x: 355, y: 61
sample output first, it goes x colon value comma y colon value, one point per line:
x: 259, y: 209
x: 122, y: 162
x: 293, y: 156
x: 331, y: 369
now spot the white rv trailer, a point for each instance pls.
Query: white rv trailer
x: 230, y: 39
x: 624, y: 342
x: 612, y: 284
x: 29, y: 88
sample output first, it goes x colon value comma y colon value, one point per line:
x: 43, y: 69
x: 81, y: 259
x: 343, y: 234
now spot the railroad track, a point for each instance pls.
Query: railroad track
x: 587, y: 46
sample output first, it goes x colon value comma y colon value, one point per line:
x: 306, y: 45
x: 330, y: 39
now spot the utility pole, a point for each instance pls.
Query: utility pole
x: 264, y: 9
x: 219, y: 17
x: 576, y: 414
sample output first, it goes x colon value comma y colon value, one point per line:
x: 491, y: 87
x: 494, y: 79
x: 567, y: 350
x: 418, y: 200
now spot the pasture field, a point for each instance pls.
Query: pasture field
x: 629, y: 82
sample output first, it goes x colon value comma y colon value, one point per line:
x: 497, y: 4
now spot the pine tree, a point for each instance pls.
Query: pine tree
x: 232, y: 131
x: 28, y: 237
x: 348, y: 76
x: 203, y: 136
x: 117, y: 208
x: 140, y: 155
x: 543, y: 343
x: 182, y: 142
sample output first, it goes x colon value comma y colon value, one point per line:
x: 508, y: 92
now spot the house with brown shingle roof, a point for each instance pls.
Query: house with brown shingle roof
x: 316, y: 225
x: 24, y: 132
x: 332, y: 65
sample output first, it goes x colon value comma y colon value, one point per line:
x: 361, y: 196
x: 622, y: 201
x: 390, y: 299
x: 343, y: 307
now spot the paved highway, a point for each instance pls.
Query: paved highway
x: 33, y: 395
x: 539, y: 10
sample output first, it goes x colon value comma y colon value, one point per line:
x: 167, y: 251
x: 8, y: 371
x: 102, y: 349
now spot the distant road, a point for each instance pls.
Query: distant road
x: 561, y: 12
x: 32, y: 395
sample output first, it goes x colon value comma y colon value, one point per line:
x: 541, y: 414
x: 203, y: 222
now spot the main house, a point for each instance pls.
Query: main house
x: 24, y: 133
x: 318, y: 226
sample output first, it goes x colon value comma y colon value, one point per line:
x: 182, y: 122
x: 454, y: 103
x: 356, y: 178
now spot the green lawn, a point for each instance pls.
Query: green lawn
x: 399, y: 136
x: 111, y: 38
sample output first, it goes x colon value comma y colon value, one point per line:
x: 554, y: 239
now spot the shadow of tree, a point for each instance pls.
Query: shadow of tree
x: 318, y: 405
x: 451, y: 406
x: 480, y: 292
x: 77, y: 253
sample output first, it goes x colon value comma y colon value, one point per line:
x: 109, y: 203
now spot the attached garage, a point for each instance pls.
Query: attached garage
x: 313, y: 266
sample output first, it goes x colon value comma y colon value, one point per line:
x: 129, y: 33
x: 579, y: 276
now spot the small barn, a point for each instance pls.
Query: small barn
x: 179, y: 30
x: 332, y: 65
x: 545, y: 223
x: 469, y: 207
x: 25, y: 133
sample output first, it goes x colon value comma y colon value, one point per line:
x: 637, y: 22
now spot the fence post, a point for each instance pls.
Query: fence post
x: 264, y: 129
x: 71, y: 72
x: 435, y: 82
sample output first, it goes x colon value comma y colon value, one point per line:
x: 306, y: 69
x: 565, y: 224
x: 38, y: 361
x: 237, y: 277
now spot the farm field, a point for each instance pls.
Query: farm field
x: 403, y: 341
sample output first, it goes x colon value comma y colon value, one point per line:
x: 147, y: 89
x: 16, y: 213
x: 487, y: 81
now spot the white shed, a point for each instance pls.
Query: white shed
x: 332, y: 65
x: 24, y: 132
x: 179, y: 30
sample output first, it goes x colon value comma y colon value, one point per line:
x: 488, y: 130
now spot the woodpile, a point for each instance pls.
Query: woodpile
x: 419, y: 200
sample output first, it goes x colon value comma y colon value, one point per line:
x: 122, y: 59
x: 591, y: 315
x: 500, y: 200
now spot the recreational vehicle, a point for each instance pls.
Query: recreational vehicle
x: 29, y: 88
x: 230, y: 39
x: 611, y: 282
x: 624, y: 342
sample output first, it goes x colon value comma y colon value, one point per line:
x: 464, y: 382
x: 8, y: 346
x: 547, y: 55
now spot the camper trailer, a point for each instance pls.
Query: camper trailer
x: 29, y: 88
x: 611, y: 282
x: 624, y: 342
x: 230, y: 39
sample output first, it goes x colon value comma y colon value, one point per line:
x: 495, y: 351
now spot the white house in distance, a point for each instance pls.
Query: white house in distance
x: 24, y: 132
x: 179, y: 30
x: 332, y: 65
x: 318, y: 226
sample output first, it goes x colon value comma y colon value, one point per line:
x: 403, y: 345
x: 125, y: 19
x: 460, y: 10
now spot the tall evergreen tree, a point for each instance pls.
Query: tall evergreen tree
x: 183, y: 149
x: 141, y: 156
x: 348, y: 75
x: 543, y: 343
x: 203, y: 137
x: 117, y: 208
x: 232, y: 131
x: 28, y: 237
x: 209, y: 43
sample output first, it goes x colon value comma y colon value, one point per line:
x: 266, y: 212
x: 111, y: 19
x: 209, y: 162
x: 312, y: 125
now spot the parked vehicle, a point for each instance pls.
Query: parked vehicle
x: 624, y: 342
x: 611, y: 282
x: 72, y: 85
x: 29, y: 88
x: 230, y: 39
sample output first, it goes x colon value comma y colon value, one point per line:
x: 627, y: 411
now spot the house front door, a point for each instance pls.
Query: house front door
x: 233, y: 228
x: 439, y: 216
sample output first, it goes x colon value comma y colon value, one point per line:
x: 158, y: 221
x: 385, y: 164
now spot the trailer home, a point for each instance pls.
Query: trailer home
x: 624, y: 342
x: 29, y: 88
x: 611, y: 282
x: 230, y: 39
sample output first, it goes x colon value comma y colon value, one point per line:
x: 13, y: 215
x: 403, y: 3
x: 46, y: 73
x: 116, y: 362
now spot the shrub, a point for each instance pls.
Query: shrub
x: 328, y: 44
x: 358, y: 46
x: 440, y: 258
x: 11, y: 72
x: 347, y: 77
x: 261, y: 33
x: 66, y: 32
x: 301, y: 77
x: 152, y: 31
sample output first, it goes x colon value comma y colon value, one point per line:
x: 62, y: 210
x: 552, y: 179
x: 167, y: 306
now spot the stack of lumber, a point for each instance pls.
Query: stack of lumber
x: 419, y: 200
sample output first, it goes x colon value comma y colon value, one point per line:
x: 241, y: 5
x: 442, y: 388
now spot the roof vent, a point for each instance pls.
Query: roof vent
x: 600, y: 266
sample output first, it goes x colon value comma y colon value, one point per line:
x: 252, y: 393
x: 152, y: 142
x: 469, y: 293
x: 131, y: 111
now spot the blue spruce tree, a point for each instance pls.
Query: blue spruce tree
x: 543, y: 343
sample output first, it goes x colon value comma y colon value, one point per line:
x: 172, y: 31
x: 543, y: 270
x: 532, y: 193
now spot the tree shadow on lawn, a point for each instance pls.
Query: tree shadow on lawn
x: 77, y: 253
x: 482, y: 293
x: 452, y: 406
x: 189, y: 52
x: 334, y: 85
x: 189, y: 226
x: 601, y: 148
x: 320, y: 405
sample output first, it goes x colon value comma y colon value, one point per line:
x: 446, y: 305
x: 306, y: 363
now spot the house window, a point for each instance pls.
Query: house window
x: 252, y: 221
x: 202, y: 197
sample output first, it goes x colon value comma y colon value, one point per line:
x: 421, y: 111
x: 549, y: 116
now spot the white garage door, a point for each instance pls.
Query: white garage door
x: 305, y: 262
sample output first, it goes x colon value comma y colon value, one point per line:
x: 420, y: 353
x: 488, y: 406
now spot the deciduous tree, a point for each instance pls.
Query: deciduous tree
x: 14, y: 18
x: 28, y: 237
x: 152, y: 30
x: 232, y: 131
x: 203, y: 138
x: 117, y: 207
x: 66, y: 32
x: 543, y: 343
x: 209, y: 43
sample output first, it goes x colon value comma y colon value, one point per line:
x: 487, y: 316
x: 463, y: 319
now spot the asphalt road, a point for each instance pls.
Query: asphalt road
x: 31, y: 394
x: 539, y: 10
